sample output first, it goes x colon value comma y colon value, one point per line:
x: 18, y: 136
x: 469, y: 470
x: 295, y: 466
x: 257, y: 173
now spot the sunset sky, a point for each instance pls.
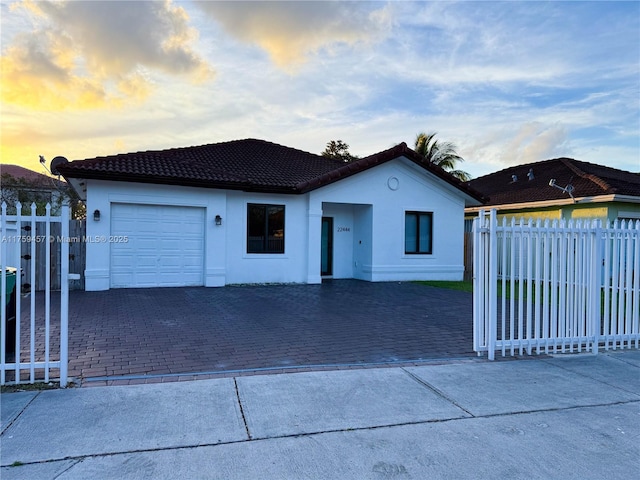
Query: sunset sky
x: 507, y: 82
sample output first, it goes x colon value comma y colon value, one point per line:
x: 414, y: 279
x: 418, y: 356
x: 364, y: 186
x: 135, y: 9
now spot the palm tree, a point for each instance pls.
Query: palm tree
x: 442, y: 154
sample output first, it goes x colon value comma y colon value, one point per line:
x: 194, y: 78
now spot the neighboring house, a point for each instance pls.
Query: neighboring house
x: 251, y: 211
x: 582, y: 191
x: 19, y: 184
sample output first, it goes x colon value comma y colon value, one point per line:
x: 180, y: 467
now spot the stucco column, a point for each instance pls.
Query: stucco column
x: 96, y: 274
x: 314, y: 219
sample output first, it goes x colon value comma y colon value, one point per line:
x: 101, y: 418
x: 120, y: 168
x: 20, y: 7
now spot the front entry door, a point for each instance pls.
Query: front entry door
x: 326, y: 256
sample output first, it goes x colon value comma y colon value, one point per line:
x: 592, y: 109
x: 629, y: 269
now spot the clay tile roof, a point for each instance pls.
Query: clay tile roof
x: 587, y: 179
x: 250, y: 165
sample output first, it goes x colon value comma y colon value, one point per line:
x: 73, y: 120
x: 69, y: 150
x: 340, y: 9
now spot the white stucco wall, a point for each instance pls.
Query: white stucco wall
x: 369, y: 214
x: 243, y: 267
x: 381, y: 196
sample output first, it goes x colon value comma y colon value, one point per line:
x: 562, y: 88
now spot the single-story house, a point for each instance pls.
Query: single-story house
x: 251, y: 211
x: 562, y: 188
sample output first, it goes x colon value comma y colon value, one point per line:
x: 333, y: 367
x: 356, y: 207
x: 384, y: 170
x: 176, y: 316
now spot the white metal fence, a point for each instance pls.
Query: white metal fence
x: 542, y: 287
x: 33, y: 345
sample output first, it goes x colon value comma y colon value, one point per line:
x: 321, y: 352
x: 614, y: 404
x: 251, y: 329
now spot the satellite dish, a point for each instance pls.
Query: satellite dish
x: 568, y: 189
x: 55, y: 163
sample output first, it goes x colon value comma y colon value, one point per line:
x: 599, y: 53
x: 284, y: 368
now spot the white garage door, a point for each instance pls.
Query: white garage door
x: 165, y: 246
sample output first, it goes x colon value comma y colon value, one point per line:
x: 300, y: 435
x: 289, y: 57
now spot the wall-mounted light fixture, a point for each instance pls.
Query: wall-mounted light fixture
x: 96, y: 215
x: 218, y: 220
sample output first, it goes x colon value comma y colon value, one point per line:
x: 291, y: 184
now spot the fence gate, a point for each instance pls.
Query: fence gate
x: 554, y: 287
x: 34, y: 331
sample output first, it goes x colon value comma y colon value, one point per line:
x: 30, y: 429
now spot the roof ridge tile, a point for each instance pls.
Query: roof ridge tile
x: 595, y: 179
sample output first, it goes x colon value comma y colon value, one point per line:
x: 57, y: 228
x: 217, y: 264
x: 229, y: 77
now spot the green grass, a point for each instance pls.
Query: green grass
x: 467, y: 286
x: 464, y: 286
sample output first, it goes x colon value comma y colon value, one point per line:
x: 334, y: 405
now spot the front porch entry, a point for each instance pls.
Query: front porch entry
x: 346, y: 241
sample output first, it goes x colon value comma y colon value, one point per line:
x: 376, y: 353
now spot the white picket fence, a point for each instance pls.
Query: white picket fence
x: 38, y: 360
x: 550, y: 287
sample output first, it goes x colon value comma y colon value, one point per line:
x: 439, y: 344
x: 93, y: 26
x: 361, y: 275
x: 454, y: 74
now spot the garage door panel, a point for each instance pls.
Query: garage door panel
x: 191, y: 280
x: 124, y: 250
x: 149, y: 229
x: 144, y: 243
x: 165, y: 247
x: 125, y: 210
x: 172, y: 263
x: 145, y: 262
x: 185, y: 245
x: 121, y: 262
x: 144, y: 280
x: 191, y: 251
x: 122, y: 226
x: 120, y: 281
x: 171, y: 228
x: 192, y: 229
x: 178, y: 229
x: 168, y: 244
x: 191, y: 264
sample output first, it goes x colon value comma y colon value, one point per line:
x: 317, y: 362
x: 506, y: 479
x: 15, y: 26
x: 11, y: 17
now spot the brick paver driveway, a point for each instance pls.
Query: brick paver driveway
x: 129, y: 333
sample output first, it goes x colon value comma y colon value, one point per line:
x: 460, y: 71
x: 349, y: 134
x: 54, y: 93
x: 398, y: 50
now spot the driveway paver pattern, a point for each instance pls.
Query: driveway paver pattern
x: 182, y: 331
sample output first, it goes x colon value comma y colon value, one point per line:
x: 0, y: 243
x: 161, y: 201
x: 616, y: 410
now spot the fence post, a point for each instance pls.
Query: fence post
x: 47, y: 292
x: 493, y: 283
x: 64, y: 296
x: 18, y: 289
x: 476, y: 280
x: 635, y: 314
x: 480, y: 303
x: 3, y: 294
x: 595, y: 293
x: 32, y: 297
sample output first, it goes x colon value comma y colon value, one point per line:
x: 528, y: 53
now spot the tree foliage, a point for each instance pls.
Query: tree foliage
x: 28, y: 191
x: 338, y: 150
x: 440, y: 153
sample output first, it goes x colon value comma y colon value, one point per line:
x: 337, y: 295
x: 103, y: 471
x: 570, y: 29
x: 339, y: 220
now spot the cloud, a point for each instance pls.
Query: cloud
x: 535, y: 141
x: 291, y: 31
x: 524, y: 143
x: 115, y: 37
x: 83, y: 55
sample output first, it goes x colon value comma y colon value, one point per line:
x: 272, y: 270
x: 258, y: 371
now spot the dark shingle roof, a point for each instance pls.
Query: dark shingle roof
x: 588, y: 180
x: 35, y: 178
x: 250, y: 165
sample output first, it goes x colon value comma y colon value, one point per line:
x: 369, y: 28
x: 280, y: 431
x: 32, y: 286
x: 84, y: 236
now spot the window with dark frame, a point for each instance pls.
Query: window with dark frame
x: 418, y: 232
x: 265, y: 228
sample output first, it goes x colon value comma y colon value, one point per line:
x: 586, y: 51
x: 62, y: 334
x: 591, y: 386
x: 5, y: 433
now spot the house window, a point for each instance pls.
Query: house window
x: 418, y: 232
x: 265, y: 228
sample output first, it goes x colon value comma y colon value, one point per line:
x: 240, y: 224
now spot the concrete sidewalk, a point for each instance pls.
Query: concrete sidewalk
x: 573, y: 416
